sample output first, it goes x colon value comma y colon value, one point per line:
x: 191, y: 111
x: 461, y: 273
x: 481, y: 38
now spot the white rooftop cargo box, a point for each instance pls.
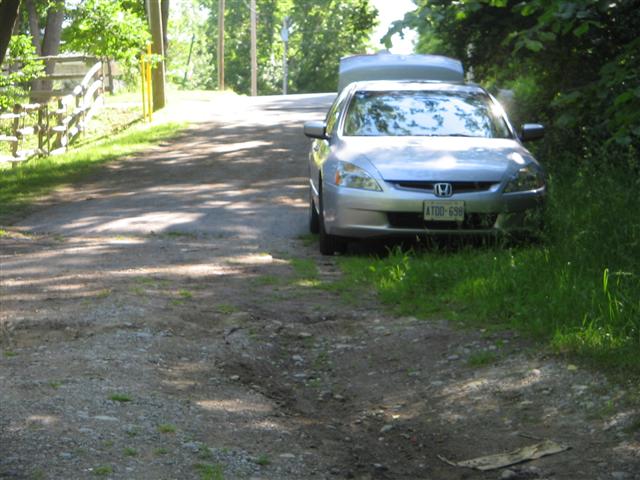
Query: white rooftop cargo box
x: 387, y: 66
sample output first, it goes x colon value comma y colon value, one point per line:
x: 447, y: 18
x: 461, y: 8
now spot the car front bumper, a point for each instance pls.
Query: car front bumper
x: 398, y: 212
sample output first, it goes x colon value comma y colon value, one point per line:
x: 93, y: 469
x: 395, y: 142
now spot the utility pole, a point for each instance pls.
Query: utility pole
x: 254, y: 50
x: 220, y: 44
x: 284, y: 35
x: 157, y: 47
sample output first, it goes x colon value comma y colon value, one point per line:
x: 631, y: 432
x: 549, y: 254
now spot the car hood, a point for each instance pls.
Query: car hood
x: 436, y: 158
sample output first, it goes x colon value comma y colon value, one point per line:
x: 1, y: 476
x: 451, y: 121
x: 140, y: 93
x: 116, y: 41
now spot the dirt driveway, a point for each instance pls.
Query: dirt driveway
x: 168, y: 319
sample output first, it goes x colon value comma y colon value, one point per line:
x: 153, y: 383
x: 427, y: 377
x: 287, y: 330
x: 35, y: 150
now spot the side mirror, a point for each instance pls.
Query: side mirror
x: 316, y: 130
x: 531, y: 131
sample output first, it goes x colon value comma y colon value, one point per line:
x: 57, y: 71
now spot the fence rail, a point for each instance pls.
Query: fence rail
x: 56, y: 122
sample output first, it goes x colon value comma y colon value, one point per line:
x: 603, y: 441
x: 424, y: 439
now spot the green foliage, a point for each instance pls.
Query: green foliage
x: 325, y: 31
x: 322, y: 32
x: 188, y: 24
x: 106, y: 28
x: 237, y: 47
x: 581, y: 57
x: 23, y: 68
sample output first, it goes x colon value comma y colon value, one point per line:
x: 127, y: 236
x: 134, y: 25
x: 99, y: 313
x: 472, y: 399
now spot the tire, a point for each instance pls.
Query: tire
x: 314, y: 218
x: 329, y: 244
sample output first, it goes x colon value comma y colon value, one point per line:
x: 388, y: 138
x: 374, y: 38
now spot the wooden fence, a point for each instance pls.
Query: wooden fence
x: 60, y: 116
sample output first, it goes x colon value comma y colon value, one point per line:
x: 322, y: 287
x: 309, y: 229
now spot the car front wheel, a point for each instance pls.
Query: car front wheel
x: 329, y: 244
x: 314, y: 219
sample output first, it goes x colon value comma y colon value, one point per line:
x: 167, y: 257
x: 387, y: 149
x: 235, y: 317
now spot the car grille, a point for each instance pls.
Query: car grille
x: 458, y: 187
x: 415, y: 221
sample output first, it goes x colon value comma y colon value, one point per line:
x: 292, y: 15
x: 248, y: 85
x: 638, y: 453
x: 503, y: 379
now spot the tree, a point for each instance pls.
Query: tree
x: 8, y: 16
x: 23, y: 68
x: 106, y: 28
x: 573, y: 64
x: 190, y: 60
x: 325, y: 31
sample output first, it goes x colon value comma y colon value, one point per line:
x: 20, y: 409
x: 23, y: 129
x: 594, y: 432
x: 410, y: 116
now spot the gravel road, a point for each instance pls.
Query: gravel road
x: 169, y: 318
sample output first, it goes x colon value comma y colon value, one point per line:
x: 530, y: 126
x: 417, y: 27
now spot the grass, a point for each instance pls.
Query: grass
x: 22, y: 185
x: 10, y: 354
x: 263, y: 460
x: 226, y: 309
x: 186, y: 294
x: 166, y: 428
x: 120, y: 397
x: 578, y: 291
x: 308, y: 239
x: 207, y: 471
x: 304, y: 268
x: 130, y: 452
x: 481, y: 359
x: 266, y: 280
x: 103, y: 470
x: 204, y: 452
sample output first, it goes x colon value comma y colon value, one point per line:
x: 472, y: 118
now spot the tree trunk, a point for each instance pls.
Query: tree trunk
x: 34, y: 26
x: 8, y: 16
x: 164, y: 9
x: 51, y: 40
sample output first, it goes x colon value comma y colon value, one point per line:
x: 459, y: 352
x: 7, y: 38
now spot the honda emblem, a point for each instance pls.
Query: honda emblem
x: 443, y: 189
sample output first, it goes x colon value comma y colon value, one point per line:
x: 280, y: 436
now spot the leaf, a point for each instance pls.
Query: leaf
x: 581, y: 30
x: 624, y: 98
x: 547, y: 36
x: 533, y: 45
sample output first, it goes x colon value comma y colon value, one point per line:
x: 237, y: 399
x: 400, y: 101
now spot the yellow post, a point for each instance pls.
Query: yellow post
x: 149, y: 87
x: 143, y: 81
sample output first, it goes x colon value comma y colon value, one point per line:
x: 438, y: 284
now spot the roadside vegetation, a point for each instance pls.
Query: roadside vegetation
x: 578, y: 290
x: 28, y: 181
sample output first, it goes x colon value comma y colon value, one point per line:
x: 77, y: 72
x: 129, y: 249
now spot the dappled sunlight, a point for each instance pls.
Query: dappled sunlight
x: 148, y: 221
x: 628, y: 449
x: 293, y: 202
x: 481, y: 393
x: 235, y: 405
x: 252, y: 259
x: 270, y: 426
x: 233, y: 147
x: 35, y: 421
x: 193, y: 270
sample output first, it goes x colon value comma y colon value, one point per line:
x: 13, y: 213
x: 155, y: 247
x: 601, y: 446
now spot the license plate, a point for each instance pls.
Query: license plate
x: 444, y: 211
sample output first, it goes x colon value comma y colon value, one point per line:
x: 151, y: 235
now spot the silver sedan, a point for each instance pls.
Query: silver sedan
x: 397, y: 158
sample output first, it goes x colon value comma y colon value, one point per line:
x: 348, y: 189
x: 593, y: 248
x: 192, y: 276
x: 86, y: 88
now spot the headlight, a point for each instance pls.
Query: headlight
x: 526, y: 178
x: 350, y: 176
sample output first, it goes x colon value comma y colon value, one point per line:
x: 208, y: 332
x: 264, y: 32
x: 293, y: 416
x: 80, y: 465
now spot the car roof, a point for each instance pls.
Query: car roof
x: 388, y: 66
x: 412, y: 85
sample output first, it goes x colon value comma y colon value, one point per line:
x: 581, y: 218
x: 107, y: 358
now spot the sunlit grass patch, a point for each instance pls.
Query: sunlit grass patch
x: 21, y: 185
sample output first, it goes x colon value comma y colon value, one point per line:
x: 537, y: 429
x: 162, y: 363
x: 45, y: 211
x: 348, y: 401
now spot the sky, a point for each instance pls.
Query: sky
x: 388, y: 12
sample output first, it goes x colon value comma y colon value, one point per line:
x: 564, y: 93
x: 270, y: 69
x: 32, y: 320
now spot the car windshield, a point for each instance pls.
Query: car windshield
x: 424, y: 113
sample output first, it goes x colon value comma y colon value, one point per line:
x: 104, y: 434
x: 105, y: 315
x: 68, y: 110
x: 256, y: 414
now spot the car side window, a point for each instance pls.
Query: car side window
x: 334, y: 115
